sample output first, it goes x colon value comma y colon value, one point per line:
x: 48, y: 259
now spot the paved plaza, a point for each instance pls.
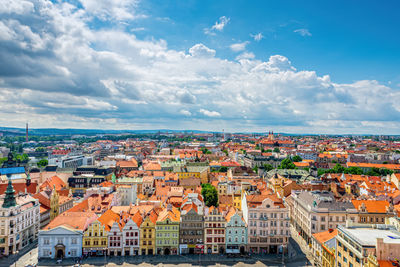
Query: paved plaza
x: 295, y: 257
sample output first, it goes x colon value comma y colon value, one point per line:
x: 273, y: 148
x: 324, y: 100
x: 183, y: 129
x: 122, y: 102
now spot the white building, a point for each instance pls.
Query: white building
x: 62, y: 238
x: 127, y: 194
x: 19, y: 221
x: 71, y: 161
x: 60, y: 242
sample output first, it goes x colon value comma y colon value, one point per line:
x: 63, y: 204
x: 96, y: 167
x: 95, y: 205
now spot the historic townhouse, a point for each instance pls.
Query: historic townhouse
x: 19, y: 220
x: 115, y: 239
x: 131, y: 234
x: 268, y: 222
x: 191, y: 230
x: 94, y: 242
x: 318, y: 211
x: 148, y: 234
x: 62, y: 238
x: 236, y: 232
x: 167, y: 231
x: 214, y: 230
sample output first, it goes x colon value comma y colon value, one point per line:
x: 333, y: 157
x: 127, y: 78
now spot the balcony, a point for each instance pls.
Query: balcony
x: 264, y: 218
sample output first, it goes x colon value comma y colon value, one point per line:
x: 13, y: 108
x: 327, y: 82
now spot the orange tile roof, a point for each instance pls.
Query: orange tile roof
x: 51, y: 182
x: 74, y: 220
x: 322, y: 237
x: 173, y: 214
x: 127, y: 163
x: 108, y: 218
x: 371, y: 165
x: 19, y: 187
x: 372, y: 206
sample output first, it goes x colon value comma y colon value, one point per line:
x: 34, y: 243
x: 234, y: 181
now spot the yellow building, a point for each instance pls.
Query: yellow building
x: 185, y: 172
x: 148, y: 234
x: 328, y: 256
x: 237, y: 201
x: 94, y: 241
x: 54, y: 204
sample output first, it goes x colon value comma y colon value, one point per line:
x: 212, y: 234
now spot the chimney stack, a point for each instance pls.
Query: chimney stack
x: 26, y: 135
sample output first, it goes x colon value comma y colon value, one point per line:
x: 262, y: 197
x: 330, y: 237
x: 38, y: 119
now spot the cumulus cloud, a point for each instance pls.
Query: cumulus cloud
x: 58, y: 71
x: 303, y: 32
x: 210, y: 113
x: 257, y: 37
x: 200, y: 50
x: 218, y: 26
x: 239, y: 46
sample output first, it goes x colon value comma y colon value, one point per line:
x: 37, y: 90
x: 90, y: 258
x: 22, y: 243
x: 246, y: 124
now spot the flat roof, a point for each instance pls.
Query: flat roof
x: 367, y: 236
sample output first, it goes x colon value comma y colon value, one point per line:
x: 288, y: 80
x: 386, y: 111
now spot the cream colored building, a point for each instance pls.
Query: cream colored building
x: 358, y: 242
x: 19, y: 223
x: 317, y: 211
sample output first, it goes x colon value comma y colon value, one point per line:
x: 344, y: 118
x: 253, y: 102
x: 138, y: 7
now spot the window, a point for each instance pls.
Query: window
x: 344, y: 259
x: 73, y: 252
x: 46, y: 241
x: 74, y: 241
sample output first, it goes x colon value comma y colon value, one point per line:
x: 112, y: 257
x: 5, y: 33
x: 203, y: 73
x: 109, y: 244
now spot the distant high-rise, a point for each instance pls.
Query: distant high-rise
x: 26, y: 135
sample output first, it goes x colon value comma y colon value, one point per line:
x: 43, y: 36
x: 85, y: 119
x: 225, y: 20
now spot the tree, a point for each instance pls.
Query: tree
x: 210, y: 195
x: 225, y: 151
x: 297, y: 158
x: 223, y: 169
x: 255, y: 169
x: 276, y: 150
x: 42, y: 163
x: 287, y: 163
x: 268, y: 167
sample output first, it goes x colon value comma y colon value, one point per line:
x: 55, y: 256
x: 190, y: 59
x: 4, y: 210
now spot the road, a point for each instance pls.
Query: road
x: 296, y: 258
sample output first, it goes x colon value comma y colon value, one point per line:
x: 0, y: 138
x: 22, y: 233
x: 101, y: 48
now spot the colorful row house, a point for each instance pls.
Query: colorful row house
x: 167, y: 231
x: 214, y: 227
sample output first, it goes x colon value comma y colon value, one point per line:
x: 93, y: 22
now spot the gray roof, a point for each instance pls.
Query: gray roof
x: 323, y: 200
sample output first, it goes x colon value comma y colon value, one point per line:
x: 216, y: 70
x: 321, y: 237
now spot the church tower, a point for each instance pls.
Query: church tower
x: 9, y: 199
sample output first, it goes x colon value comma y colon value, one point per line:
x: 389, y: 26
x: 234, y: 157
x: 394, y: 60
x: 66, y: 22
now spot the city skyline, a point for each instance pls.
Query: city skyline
x: 296, y: 68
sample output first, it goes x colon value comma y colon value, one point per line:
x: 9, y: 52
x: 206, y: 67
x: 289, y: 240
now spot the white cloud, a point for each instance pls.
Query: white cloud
x: 257, y: 37
x: 210, y: 113
x: 200, y: 50
x: 303, y: 32
x: 185, y: 112
x: 245, y: 55
x: 239, y: 46
x: 57, y: 71
x: 218, y: 26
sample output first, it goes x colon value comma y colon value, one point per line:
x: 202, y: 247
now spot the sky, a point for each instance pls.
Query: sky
x: 328, y: 67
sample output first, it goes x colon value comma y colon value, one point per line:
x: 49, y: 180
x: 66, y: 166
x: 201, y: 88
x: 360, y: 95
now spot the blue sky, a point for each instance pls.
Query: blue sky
x: 289, y: 66
x: 350, y: 40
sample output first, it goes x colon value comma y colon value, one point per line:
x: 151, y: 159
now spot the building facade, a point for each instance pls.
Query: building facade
x: 236, y: 233
x: 268, y: 223
x: 167, y: 231
x: 19, y: 221
x: 191, y: 231
x: 214, y: 230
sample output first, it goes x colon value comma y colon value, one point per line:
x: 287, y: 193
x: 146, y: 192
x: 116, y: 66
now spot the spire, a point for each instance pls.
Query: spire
x: 9, y: 199
x: 28, y: 179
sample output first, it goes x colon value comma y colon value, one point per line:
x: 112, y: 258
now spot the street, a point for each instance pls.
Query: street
x: 297, y: 258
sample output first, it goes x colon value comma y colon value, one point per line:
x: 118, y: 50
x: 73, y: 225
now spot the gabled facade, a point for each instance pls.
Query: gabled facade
x: 94, y: 241
x: 130, y: 233
x: 148, y: 234
x: 167, y: 231
x: 115, y: 240
x: 235, y: 232
x: 214, y: 230
x: 191, y: 231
